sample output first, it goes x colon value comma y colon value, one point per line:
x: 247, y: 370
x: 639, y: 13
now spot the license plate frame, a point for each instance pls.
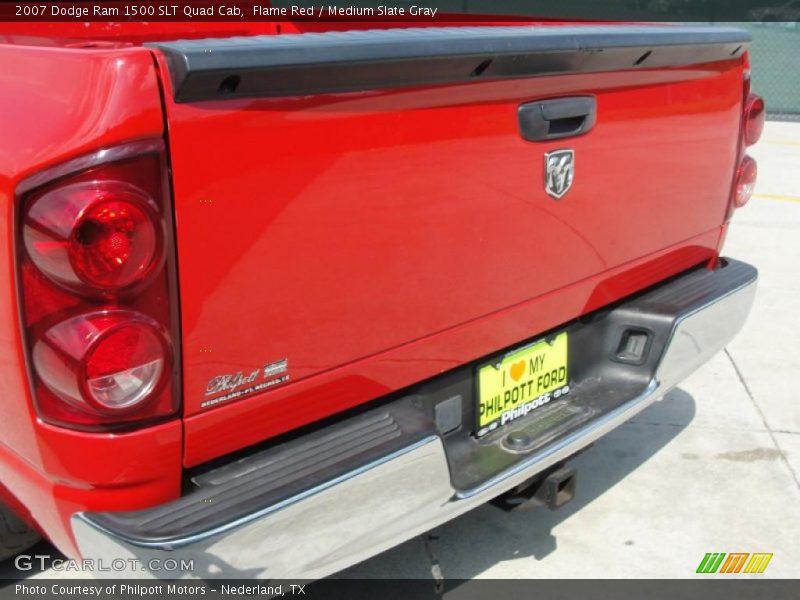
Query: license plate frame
x: 520, y: 381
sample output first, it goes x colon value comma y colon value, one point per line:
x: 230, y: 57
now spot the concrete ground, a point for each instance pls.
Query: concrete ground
x: 714, y: 467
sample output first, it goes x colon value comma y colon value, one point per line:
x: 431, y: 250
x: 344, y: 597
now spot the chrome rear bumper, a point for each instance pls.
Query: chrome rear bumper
x: 382, y: 503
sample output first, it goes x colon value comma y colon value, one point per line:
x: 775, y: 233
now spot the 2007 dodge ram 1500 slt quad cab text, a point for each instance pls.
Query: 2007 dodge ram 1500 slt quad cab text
x: 277, y: 300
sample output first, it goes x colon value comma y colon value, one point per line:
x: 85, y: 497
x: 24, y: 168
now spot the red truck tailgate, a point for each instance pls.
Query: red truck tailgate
x: 330, y: 212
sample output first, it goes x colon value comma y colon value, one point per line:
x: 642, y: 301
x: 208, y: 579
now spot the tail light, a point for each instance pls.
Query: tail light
x: 97, y: 282
x: 745, y: 181
x: 94, y: 235
x: 753, y: 117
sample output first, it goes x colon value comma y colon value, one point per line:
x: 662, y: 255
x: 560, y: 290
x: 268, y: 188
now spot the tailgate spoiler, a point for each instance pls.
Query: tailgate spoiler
x: 314, y: 63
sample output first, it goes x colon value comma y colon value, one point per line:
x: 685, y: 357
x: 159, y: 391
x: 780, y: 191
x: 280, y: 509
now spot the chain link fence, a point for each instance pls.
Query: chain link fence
x: 775, y: 61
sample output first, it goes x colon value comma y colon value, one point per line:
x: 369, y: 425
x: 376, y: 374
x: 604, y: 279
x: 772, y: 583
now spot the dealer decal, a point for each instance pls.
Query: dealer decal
x: 236, y: 385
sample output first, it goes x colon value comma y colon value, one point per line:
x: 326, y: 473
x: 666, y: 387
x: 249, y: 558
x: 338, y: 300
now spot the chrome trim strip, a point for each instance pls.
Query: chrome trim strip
x: 317, y: 533
x: 86, y: 161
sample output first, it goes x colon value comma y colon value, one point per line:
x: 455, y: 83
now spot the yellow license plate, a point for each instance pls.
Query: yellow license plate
x: 521, y: 382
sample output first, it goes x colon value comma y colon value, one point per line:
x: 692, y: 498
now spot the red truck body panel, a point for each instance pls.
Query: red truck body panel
x: 334, y: 230
x: 49, y: 117
x: 223, y: 430
x: 373, y: 239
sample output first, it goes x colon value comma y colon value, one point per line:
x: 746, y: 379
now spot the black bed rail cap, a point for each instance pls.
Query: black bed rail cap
x: 346, y: 61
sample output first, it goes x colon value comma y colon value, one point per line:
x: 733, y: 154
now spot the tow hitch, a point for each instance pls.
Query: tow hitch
x: 553, y: 489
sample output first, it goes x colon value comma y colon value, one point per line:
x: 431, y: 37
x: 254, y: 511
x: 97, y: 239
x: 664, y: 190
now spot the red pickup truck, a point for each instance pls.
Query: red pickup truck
x: 279, y: 296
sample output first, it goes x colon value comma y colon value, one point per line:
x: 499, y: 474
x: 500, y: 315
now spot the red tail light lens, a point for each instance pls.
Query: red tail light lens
x: 97, y: 281
x: 125, y: 367
x: 745, y: 181
x: 755, y: 115
x: 106, y: 364
x: 103, y: 235
x: 752, y: 125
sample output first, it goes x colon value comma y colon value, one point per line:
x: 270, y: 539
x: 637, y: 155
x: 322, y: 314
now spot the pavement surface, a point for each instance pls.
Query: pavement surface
x: 713, y: 467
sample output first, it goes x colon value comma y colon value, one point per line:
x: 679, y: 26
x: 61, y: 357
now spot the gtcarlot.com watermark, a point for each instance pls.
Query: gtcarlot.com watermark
x: 28, y: 562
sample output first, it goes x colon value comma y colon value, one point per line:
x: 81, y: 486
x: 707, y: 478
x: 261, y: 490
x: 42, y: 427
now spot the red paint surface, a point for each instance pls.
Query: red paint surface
x: 373, y: 239
x: 58, y: 104
x: 361, y: 230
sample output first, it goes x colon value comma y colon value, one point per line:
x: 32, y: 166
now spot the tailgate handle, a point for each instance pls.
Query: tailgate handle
x: 556, y: 119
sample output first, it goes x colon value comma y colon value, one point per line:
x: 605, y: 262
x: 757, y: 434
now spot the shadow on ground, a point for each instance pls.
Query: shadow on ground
x: 29, y: 564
